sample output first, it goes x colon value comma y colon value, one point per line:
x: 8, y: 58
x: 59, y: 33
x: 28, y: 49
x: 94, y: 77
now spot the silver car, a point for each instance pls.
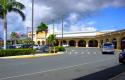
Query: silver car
x: 108, y: 48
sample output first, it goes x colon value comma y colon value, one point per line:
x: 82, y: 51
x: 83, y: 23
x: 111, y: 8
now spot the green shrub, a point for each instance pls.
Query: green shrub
x: 14, y: 52
x: 60, y: 48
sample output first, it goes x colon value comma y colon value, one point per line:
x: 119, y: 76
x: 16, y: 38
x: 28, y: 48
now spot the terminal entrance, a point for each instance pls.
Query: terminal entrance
x: 93, y: 43
x: 72, y: 43
x: 114, y: 41
x: 123, y: 43
x: 82, y: 43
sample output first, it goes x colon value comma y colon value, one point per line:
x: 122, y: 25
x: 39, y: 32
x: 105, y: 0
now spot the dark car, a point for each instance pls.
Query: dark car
x: 122, y: 56
x: 1, y: 47
x: 26, y: 46
x: 44, y: 48
x: 11, y: 47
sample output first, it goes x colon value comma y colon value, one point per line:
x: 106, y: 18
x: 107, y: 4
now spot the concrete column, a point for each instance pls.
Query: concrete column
x: 118, y: 43
x: 59, y: 43
x: 110, y: 40
x: 67, y: 42
x: 99, y: 43
x: 77, y: 43
x: 87, y: 43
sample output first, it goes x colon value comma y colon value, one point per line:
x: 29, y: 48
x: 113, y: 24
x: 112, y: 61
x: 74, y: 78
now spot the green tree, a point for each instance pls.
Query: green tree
x: 27, y: 41
x: 7, y: 6
x: 51, y: 39
x: 43, y: 28
x: 14, y: 37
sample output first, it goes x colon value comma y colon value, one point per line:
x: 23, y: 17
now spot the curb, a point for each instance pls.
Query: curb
x: 120, y: 76
x: 31, y: 56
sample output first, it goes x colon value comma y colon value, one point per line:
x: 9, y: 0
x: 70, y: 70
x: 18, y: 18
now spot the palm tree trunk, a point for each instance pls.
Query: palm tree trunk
x: 5, y: 30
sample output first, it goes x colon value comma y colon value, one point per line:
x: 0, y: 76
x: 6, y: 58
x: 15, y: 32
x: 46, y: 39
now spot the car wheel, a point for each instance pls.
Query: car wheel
x: 103, y: 52
x: 112, y: 52
x: 120, y: 61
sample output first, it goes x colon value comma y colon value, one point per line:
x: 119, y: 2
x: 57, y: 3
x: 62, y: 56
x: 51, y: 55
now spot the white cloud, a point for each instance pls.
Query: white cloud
x: 73, y: 10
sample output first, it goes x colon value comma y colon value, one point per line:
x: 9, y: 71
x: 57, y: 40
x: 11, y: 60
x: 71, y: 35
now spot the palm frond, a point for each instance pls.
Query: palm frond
x: 1, y: 12
x: 16, y: 4
x: 42, y: 27
x: 19, y: 12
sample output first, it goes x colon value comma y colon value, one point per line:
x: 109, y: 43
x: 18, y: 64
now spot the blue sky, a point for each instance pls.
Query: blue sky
x: 110, y: 18
x: 80, y: 15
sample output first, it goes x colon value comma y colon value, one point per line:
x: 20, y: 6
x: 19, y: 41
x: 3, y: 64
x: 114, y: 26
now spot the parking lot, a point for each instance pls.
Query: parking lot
x: 72, y: 64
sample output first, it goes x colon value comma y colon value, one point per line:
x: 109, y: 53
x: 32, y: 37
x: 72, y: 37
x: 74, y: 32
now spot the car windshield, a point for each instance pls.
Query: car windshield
x: 108, y: 44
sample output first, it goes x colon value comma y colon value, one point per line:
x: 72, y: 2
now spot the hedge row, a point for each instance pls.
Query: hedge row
x: 14, y: 52
x: 60, y: 48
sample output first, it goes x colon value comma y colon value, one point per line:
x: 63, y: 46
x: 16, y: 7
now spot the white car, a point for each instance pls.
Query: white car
x: 65, y: 45
x: 36, y: 47
x: 108, y: 48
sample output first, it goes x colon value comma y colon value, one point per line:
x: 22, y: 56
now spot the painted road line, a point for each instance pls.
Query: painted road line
x: 63, y: 68
x: 88, y: 53
x: 70, y: 53
x: 76, y: 52
x: 94, y: 53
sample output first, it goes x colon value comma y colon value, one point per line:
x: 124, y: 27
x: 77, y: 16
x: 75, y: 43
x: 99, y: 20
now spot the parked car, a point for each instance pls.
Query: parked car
x: 26, y: 46
x: 65, y: 45
x: 108, y: 48
x: 18, y: 45
x: 37, y: 47
x: 122, y: 56
x: 44, y: 48
x: 1, y: 47
x: 11, y: 47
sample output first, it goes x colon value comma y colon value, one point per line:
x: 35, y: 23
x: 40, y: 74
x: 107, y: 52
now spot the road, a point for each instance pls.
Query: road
x: 72, y: 64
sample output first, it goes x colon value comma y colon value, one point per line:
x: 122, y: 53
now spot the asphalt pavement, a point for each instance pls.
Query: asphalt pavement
x: 74, y: 64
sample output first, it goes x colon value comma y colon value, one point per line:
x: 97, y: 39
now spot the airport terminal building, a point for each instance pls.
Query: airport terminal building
x: 85, y: 39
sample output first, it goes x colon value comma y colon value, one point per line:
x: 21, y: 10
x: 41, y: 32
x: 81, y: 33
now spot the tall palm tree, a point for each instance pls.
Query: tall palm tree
x: 14, y: 37
x: 43, y: 28
x: 7, y: 6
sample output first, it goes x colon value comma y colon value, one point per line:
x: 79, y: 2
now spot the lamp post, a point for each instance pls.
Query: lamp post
x: 62, y: 31
x: 53, y: 34
x: 32, y: 20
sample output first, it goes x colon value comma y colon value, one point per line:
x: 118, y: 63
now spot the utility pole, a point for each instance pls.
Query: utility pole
x: 27, y: 30
x: 32, y: 20
x: 53, y: 27
x: 53, y: 34
x: 62, y: 31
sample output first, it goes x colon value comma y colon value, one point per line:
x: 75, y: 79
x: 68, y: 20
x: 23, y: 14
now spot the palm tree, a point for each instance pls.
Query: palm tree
x: 43, y: 28
x: 28, y: 41
x: 7, y: 6
x: 51, y: 40
x: 14, y: 37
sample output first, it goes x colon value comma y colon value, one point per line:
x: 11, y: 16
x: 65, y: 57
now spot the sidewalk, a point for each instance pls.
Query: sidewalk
x: 119, y: 77
x: 31, y: 56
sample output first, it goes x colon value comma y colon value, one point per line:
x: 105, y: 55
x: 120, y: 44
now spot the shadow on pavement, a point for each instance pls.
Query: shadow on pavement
x: 104, y: 74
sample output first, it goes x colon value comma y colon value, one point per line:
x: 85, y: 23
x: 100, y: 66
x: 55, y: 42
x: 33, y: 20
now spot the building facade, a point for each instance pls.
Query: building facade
x: 86, y: 39
x: 39, y: 38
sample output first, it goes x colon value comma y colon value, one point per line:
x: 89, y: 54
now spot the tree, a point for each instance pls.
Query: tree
x: 7, y: 6
x: 28, y: 41
x: 14, y: 37
x: 51, y: 39
x: 42, y: 28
